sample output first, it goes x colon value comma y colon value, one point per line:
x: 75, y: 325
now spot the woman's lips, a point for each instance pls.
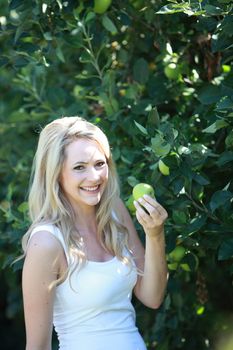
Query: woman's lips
x: 90, y: 189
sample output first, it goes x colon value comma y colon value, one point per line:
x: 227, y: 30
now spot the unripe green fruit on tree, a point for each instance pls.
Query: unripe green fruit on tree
x: 137, y: 4
x: 185, y: 267
x: 178, y: 253
x: 140, y: 189
x: 164, y: 169
x: 172, y: 71
x: 130, y: 205
x: 172, y: 266
x: 101, y: 6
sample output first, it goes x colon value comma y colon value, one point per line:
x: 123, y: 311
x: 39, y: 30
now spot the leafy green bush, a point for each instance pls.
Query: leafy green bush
x: 157, y: 77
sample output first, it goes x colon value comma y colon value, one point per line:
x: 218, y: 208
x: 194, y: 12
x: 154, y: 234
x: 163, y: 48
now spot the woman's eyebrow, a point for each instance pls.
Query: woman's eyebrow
x: 83, y: 162
x: 80, y: 162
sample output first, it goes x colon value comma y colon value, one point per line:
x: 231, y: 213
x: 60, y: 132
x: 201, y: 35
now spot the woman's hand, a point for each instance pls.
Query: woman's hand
x: 151, y: 215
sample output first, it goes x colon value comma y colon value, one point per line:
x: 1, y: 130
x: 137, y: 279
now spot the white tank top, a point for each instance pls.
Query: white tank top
x: 96, y: 313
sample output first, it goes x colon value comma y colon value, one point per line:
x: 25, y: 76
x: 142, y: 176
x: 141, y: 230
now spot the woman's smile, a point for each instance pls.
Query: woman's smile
x: 91, y: 189
x: 85, y: 168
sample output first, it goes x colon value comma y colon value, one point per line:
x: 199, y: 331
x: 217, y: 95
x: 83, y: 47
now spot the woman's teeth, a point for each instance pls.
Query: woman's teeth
x: 90, y: 189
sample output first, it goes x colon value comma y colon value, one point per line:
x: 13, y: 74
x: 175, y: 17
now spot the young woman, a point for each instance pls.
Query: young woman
x: 83, y: 257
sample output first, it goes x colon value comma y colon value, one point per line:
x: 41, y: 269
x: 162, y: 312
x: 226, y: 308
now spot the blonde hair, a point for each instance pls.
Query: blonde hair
x: 47, y: 203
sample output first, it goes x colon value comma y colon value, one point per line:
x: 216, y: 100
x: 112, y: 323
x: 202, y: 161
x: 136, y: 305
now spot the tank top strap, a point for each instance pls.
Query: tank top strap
x: 54, y: 230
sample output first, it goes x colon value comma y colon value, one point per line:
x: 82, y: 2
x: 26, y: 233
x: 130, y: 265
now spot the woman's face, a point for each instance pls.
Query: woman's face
x: 84, y: 173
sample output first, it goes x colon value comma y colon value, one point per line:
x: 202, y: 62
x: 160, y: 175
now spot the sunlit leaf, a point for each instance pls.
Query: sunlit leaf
x: 219, y: 124
x: 109, y: 25
x: 141, y: 128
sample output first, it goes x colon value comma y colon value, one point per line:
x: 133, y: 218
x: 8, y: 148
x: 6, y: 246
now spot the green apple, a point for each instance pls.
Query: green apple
x: 130, y: 205
x: 172, y: 266
x: 101, y: 6
x: 137, y: 4
x: 164, y: 169
x: 172, y: 71
x: 178, y: 253
x: 140, y: 189
x: 185, y: 267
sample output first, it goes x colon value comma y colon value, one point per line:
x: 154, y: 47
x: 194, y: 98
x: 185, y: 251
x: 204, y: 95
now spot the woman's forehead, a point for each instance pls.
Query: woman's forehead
x: 84, y: 150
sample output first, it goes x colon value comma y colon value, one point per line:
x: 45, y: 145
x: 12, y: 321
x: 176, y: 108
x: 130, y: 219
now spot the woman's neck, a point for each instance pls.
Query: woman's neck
x: 86, y: 221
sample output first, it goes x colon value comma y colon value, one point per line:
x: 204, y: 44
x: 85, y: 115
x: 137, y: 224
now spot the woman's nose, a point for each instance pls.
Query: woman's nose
x: 93, y: 174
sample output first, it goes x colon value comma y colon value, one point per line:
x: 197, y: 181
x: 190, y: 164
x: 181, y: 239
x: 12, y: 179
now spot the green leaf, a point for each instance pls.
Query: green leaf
x: 225, y: 158
x: 23, y: 207
x: 219, y: 124
x: 224, y: 1
x: 110, y: 105
x: 183, y: 7
x: 226, y: 250
x: 15, y: 3
x: 19, y: 32
x: 221, y: 43
x: 153, y: 117
x: 59, y: 54
x: 209, y: 94
x: 213, y: 10
x: 90, y: 16
x: 19, y: 116
x: 171, y: 8
x: 109, y: 25
x: 219, y: 199
x: 229, y: 140
x: 48, y: 36
x: 226, y: 26
x: 195, y: 225
x: 191, y: 260
x: 3, y: 61
x: 141, y: 71
x: 132, y: 181
x: 179, y: 217
x: 225, y: 103
x: 201, y: 179
x: 159, y: 146
x: 141, y: 128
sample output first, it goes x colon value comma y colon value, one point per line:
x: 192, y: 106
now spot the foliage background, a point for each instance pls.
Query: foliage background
x: 61, y: 58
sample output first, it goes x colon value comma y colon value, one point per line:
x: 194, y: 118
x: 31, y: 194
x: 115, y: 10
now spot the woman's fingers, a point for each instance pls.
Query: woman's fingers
x: 149, y: 212
x: 141, y: 213
x: 142, y: 216
x: 154, y: 204
x: 144, y: 204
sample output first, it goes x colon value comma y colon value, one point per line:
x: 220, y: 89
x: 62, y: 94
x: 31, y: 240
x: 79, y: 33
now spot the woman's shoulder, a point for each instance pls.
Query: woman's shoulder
x: 48, y: 227
x: 44, y: 236
x: 49, y: 237
x: 42, y: 256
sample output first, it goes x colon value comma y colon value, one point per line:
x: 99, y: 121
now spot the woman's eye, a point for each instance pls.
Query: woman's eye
x: 100, y: 164
x: 79, y: 167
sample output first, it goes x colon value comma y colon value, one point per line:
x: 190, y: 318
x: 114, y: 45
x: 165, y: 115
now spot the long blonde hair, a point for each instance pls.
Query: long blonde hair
x: 47, y: 203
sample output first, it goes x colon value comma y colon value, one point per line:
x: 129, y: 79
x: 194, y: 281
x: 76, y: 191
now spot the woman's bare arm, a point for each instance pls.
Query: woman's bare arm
x: 150, y: 287
x: 41, y: 267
